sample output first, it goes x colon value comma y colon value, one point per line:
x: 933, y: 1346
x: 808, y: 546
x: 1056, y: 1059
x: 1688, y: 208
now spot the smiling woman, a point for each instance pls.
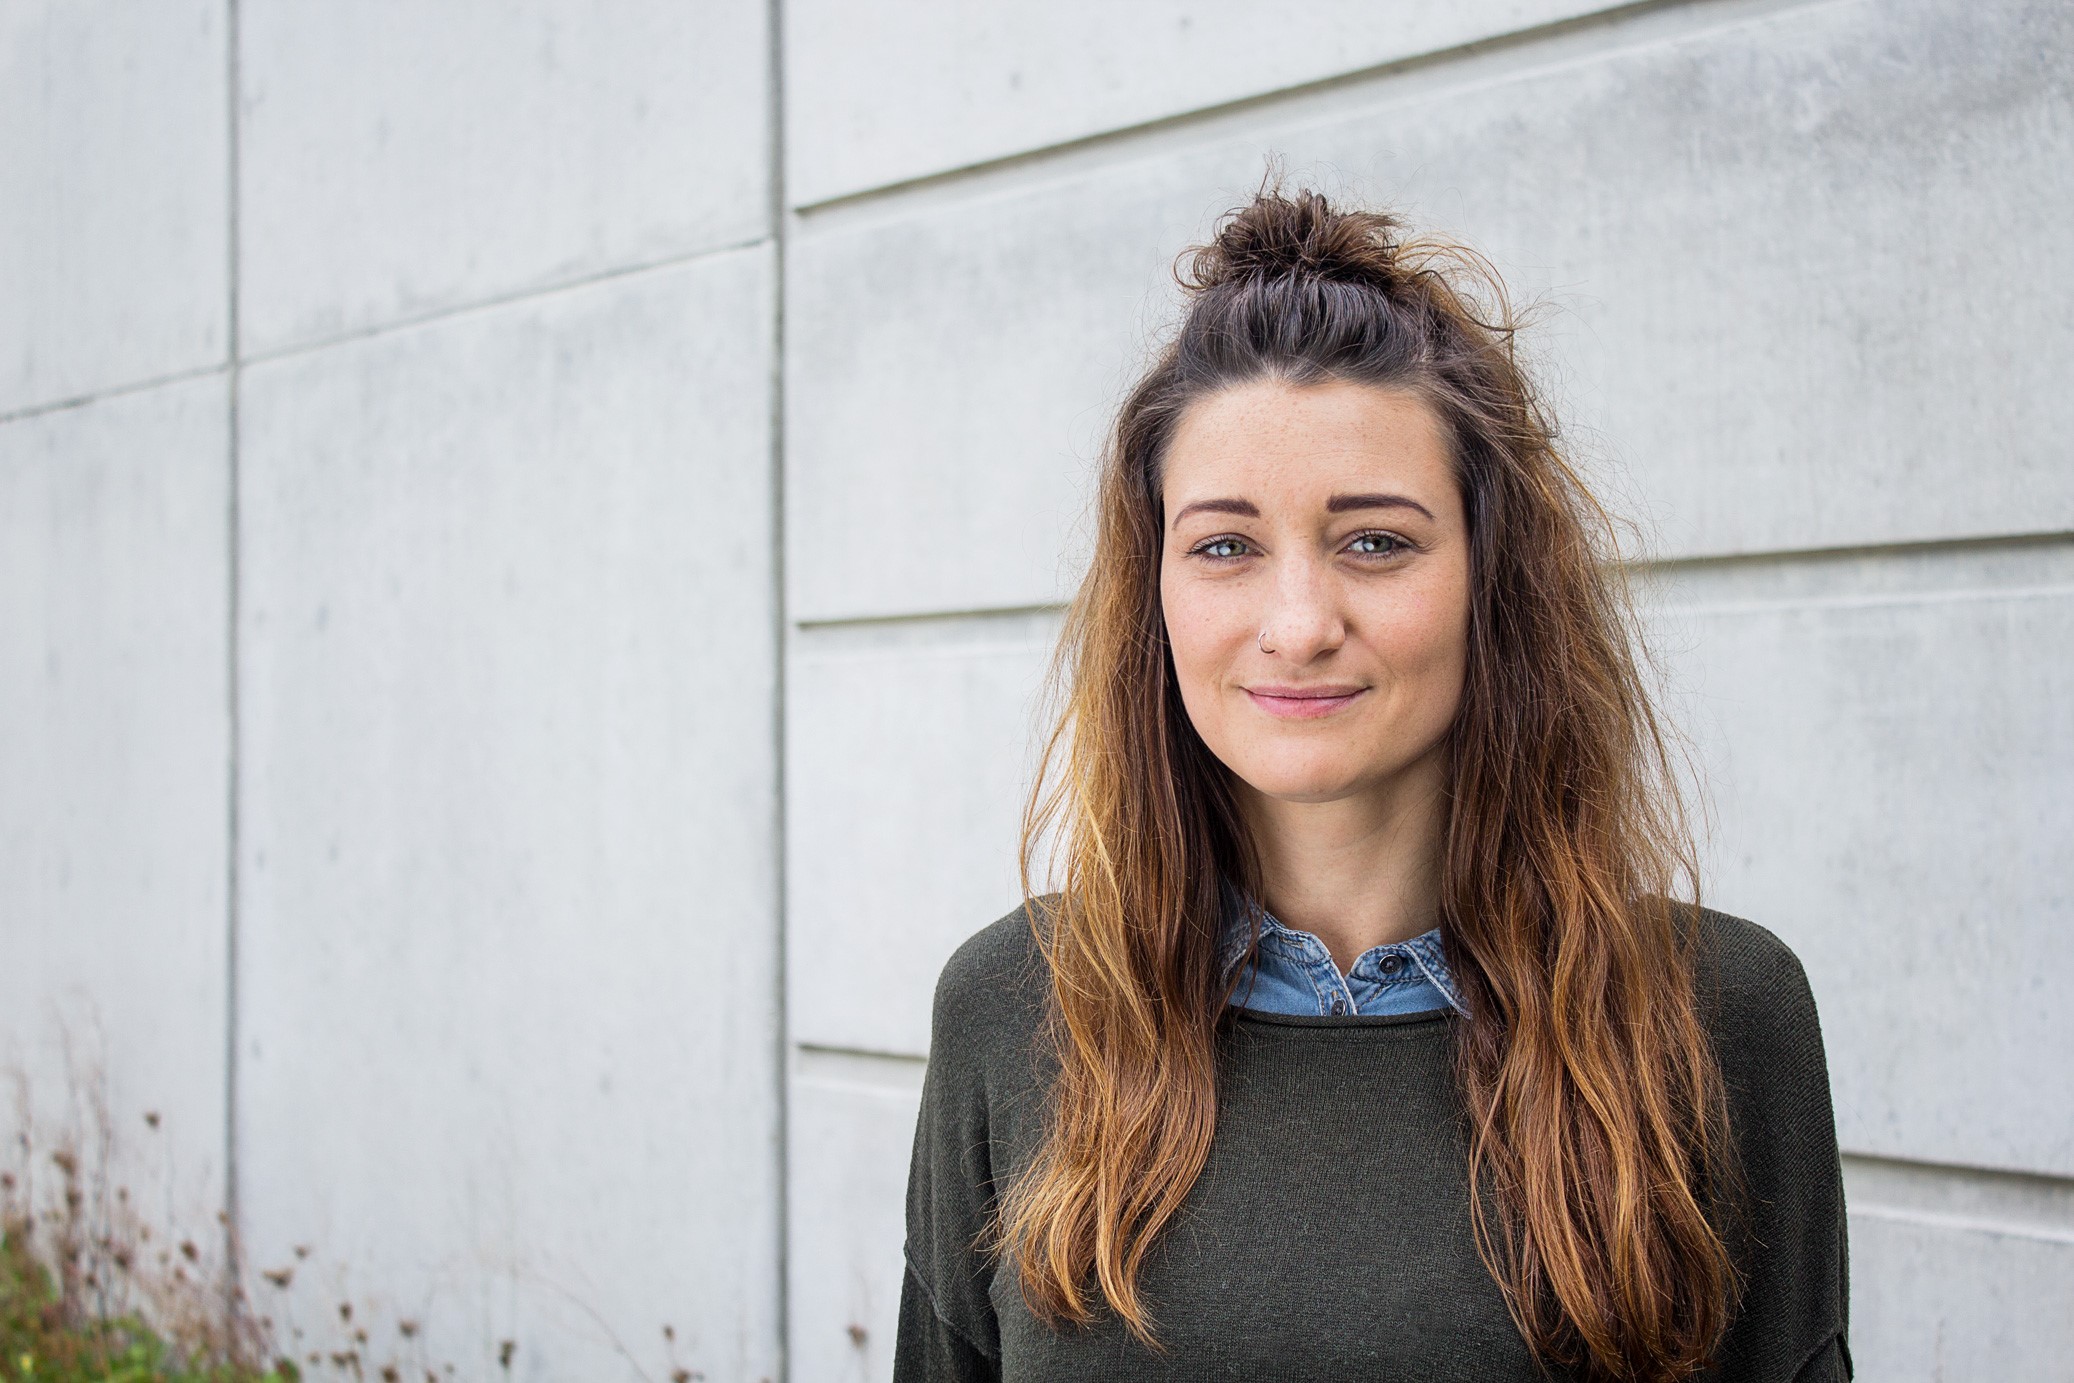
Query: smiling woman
x: 1374, y: 1028
x: 1325, y: 517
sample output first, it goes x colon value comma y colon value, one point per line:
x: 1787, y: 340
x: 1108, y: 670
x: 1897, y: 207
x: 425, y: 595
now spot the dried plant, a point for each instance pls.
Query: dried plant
x: 91, y: 1290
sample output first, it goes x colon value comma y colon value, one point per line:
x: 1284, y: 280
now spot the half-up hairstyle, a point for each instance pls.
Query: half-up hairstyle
x: 1597, y: 1146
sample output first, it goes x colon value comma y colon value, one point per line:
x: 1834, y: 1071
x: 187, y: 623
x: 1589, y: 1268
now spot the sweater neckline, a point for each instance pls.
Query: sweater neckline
x: 1437, y: 1017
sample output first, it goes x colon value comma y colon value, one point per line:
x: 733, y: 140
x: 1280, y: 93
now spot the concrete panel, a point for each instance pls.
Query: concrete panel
x: 1807, y: 262
x: 1956, y: 1274
x: 114, y: 215
x: 851, y: 1124
x: 1888, y: 743
x: 954, y: 408
x: 908, y: 751
x: 896, y: 92
x: 403, y: 158
x: 1930, y: 1303
x: 507, y: 864
x: 114, y: 807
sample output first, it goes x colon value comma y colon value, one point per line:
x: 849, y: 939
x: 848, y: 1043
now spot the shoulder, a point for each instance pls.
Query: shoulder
x: 1758, y: 1006
x: 1740, y: 962
x: 995, y: 978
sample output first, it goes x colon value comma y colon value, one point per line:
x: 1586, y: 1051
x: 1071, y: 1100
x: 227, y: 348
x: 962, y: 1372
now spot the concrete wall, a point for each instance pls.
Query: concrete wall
x: 414, y: 756
x: 1811, y: 326
x: 115, y: 480
x: 391, y: 683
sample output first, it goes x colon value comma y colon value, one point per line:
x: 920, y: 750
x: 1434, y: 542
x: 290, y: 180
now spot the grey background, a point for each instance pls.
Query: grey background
x: 528, y: 534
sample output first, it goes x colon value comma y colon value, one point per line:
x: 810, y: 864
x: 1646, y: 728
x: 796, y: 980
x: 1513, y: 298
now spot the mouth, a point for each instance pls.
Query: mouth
x: 1303, y: 703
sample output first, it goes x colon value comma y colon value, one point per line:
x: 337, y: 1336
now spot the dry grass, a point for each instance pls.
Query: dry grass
x: 90, y: 1293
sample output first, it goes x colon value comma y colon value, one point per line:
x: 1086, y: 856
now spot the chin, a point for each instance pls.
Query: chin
x: 1300, y: 782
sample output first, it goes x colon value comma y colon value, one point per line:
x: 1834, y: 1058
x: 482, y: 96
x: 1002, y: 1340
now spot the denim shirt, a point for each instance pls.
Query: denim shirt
x: 1293, y: 971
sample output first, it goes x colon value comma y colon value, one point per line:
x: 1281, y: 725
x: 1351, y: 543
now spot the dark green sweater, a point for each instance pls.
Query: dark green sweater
x: 1329, y: 1234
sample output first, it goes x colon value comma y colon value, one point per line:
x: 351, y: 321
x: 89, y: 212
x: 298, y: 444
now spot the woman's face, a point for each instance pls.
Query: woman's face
x: 1327, y: 517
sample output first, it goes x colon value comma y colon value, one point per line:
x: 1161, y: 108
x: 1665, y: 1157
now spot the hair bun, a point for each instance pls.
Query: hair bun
x: 1297, y: 237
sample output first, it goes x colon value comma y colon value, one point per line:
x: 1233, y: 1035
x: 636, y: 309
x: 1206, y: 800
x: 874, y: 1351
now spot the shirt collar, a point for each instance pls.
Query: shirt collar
x: 1426, y: 950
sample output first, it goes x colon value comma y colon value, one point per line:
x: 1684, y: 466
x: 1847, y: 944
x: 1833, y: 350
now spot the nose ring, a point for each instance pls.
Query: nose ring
x: 1261, y: 642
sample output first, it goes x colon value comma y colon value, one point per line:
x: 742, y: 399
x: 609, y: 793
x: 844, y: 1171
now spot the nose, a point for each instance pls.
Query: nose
x: 1303, y: 620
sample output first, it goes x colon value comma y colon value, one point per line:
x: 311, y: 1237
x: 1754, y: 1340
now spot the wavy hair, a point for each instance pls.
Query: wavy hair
x: 1594, y: 1111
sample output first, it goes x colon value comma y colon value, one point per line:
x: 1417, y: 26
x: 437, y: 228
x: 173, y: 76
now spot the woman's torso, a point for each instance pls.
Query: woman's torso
x: 1329, y: 1234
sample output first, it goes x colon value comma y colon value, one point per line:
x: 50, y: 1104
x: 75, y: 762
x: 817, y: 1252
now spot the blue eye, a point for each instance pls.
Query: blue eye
x: 1385, y: 544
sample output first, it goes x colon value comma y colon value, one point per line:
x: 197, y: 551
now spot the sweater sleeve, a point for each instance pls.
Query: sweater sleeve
x: 1830, y: 1363
x: 1792, y: 1239
x: 928, y: 1349
x: 947, y: 1330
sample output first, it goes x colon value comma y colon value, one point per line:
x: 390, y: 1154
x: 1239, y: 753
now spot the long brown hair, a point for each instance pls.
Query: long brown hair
x: 1594, y: 1112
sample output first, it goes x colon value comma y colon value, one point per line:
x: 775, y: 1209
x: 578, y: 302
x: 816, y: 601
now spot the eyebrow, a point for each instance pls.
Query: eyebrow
x: 1242, y: 507
x: 1338, y: 504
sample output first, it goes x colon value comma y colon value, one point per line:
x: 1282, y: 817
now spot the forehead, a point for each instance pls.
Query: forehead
x: 1266, y: 440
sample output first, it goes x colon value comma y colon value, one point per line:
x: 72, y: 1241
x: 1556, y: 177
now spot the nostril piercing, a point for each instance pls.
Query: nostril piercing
x: 1261, y: 642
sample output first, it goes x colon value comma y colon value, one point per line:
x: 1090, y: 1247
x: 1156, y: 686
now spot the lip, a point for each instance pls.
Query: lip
x: 1303, y: 703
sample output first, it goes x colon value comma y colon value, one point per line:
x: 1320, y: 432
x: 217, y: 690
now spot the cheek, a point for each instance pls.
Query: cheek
x: 1428, y: 642
x: 1201, y: 646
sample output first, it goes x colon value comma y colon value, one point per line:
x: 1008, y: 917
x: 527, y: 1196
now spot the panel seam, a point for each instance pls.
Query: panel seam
x: 1123, y: 137
x: 494, y: 301
x: 233, y: 1251
x: 774, y: 136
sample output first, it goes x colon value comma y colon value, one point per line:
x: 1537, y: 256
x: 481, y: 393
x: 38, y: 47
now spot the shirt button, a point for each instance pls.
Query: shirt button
x: 1339, y: 1006
x: 1393, y: 965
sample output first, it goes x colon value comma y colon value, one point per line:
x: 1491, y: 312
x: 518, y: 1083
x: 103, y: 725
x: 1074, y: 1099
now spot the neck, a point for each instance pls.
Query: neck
x: 1357, y: 872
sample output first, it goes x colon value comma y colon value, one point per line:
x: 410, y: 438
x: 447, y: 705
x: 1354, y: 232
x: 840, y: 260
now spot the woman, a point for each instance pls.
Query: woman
x: 1364, y: 1037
